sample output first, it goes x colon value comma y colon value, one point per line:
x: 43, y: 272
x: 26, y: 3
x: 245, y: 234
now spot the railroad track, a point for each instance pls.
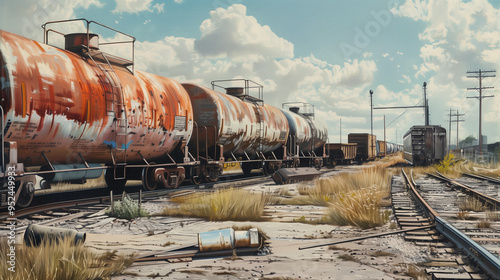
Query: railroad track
x: 435, y: 203
x: 91, y: 209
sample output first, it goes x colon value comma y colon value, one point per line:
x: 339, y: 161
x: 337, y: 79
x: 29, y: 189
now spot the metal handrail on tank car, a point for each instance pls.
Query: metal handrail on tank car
x: 247, y: 88
x: 133, y: 39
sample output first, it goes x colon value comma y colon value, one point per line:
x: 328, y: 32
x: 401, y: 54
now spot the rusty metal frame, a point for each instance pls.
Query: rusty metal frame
x: 132, y: 41
x: 248, y: 84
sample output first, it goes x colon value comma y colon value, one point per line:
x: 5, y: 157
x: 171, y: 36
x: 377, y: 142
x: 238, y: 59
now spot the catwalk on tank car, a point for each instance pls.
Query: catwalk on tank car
x: 69, y: 114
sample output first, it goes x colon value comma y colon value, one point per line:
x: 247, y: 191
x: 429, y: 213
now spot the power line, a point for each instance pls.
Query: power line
x: 480, y: 75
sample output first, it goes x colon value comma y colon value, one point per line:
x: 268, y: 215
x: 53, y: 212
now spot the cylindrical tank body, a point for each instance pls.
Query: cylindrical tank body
x: 308, y: 134
x: 241, y: 127
x: 61, y: 104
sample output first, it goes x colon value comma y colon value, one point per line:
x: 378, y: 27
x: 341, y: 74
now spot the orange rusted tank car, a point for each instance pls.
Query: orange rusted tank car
x: 69, y: 113
x: 72, y: 107
x: 237, y: 125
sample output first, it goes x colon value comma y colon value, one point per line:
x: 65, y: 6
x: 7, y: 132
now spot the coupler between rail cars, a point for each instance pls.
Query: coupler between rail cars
x: 16, y: 188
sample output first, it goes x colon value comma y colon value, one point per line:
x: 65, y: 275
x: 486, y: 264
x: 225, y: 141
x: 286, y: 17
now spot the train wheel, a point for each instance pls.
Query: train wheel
x: 214, y: 171
x: 26, y: 195
x: 195, y: 175
x: 246, y: 168
x: 149, y: 182
x: 117, y: 185
x: 317, y: 164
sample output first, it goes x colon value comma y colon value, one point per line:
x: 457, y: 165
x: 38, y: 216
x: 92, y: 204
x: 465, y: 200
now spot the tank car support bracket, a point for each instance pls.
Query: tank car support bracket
x: 48, y: 161
x: 233, y: 156
x: 221, y: 155
x: 144, y: 159
x: 83, y: 160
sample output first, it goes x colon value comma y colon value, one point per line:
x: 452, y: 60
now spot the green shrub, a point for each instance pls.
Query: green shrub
x: 127, y: 209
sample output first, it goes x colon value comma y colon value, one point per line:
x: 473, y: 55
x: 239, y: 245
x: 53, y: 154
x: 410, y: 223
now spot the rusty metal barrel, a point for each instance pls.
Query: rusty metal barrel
x: 36, y: 235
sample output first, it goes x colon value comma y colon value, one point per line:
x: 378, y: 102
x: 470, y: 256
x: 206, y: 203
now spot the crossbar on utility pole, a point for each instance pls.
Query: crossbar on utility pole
x: 457, y: 121
x: 480, y: 75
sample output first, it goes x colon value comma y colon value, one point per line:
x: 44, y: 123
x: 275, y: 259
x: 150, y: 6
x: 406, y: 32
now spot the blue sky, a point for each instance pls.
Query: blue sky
x: 328, y: 53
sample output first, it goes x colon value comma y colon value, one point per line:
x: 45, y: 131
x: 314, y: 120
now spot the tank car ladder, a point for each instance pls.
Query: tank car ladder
x: 119, y: 150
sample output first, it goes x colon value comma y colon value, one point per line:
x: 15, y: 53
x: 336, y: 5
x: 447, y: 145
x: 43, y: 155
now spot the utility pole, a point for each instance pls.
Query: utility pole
x: 449, y: 133
x: 457, y: 121
x: 340, y: 131
x: 371, y: 106
x: 480, y: 75
x: 426, y: 105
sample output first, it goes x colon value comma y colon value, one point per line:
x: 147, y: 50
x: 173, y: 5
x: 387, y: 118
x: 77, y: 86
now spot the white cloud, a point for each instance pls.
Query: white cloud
x: 416, y: 10
x: 367, y: 54
x: 406, y: 79
x: 136, y: 6
x: 385, y: 54
x: 24, y: 17
x: 230, y: 32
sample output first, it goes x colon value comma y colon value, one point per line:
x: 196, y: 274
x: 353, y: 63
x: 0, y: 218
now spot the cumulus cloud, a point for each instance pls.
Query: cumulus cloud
x: 24, y: 17
x: 231, y: 32
x: 458, y: 36
x: 137, y: 6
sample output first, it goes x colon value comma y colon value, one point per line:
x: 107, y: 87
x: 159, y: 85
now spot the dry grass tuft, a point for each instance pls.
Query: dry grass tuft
x: 463, y: 215
x: 223, y: 205
x: 484, y: 224
x: 354, y: 199
x: 471, y: 204
x: 493, y: 216
x: 62, y: 261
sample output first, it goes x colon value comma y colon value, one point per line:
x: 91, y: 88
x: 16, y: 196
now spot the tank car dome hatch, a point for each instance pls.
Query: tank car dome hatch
x: 235, y: 91
x: 294, y: 109
x: 78, y: 42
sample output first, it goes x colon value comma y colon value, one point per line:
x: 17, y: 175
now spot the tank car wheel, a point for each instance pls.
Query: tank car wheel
x: 117, y: 185
x: 317, y: 164
x: 195, y: 175
x: 26, y: 195
x: 149, y: 183
x: 246, y: 168
x: 213, y: 173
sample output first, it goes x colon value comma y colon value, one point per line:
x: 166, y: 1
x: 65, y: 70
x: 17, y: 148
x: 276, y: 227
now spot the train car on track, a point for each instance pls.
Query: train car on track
x: 367, y: 146
x: 341, y: 153
x: 424, y: 145
x: 71, y: 114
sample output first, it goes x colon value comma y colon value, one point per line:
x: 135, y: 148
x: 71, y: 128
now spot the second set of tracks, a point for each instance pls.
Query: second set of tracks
x: 464, y: 244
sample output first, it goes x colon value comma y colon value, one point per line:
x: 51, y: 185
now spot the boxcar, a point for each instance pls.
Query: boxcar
x: 366, y: 146
x: 341, y: 153
x: 424, y: 145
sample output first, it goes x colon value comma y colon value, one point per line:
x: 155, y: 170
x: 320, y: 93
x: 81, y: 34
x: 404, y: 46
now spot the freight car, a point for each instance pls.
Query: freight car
x: 306, y: 145
x: 341, y: 153
x: 71, y: 114
x: 424, y: 145
x: 387, y: 148
x: 367, y: 149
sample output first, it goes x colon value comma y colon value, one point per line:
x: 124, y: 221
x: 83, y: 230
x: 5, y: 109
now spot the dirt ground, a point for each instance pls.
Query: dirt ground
x: 376, y: 258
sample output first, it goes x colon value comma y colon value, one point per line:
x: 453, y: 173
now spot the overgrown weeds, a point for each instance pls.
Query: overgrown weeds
x: 354, y: 199
x: 471, y: 204
x: 223, y: 205
x: 61, y: 261
x: 128, y: 209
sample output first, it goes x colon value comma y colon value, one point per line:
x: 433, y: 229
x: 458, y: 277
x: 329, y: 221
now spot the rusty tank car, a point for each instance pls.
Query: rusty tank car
x: 236, y: 126
x: 81, y: 109
x: 75, y: 112
x: 307, y: 139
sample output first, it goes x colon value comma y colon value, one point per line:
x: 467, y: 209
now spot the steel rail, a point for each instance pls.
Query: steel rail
x: 494, y: 202
x: 489, y: 263
x: 482, y: 177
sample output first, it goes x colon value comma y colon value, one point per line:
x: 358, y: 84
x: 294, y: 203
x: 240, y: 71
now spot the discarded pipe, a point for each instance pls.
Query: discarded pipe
x: 37, y: 234
x: 226, y: 239
x: 368, y: 237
